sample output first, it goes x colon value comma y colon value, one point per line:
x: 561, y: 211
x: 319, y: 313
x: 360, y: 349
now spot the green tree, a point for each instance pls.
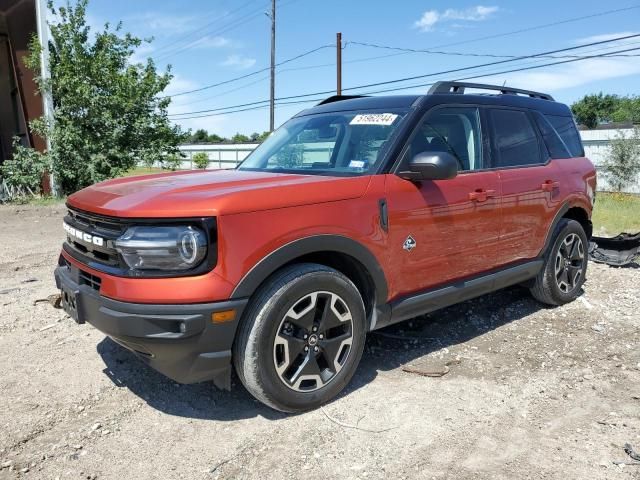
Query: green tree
x: 172, y: 162
x: 627, y: 110
x: 239, y: 138
x: 200, y: 136
x: 108, y: 114
x: 213, y: 138
x: 594, y: 109
x: 25, y: 169
x: 599, y: 108
x: 622, y: 165
x: 263, y: 136
x: 200, y: 160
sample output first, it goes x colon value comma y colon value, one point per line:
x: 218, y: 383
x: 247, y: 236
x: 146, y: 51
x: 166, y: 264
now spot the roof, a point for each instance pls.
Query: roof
x: 364, y: 103
x: 446, y: 92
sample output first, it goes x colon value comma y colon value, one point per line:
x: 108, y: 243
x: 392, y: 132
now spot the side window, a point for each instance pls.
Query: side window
x: 566, y: 128
x: 455, y: 130
x: 515, y: 139
x: 555, y: 144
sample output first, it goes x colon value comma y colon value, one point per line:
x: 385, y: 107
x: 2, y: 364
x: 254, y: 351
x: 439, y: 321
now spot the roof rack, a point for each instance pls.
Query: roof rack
x: 459, y: 87
x: 338, y: 98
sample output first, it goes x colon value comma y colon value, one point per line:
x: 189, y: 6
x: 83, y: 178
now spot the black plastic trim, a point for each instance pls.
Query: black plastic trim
x: 304, y: 246
x: 450, y: 294
x: 459, y: 88
x: 179, y: 341
x: 384, y: 214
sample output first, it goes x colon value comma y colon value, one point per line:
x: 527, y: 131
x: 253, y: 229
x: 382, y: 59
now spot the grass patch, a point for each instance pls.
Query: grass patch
x: 143, y: 171
x: 615, y: 213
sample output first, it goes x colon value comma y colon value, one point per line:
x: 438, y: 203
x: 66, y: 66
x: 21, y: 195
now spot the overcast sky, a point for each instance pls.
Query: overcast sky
x: 208, y: 42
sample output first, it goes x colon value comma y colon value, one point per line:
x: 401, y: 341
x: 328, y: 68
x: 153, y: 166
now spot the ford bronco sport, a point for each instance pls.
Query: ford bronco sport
x: 357, y: 213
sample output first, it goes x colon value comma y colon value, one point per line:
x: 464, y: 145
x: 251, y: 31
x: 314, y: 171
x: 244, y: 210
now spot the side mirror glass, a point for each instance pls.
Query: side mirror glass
x: 431, y: 166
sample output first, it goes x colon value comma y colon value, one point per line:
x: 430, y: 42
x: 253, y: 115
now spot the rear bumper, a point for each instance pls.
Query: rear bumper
x: 180, y: 341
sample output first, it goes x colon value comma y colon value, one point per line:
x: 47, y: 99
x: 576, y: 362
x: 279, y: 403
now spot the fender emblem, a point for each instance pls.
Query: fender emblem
x: 409, y: 244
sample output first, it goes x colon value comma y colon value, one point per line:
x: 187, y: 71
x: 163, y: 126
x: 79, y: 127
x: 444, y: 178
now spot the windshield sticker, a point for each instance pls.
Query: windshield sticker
x: 373, y: 119
x: 356, y: 164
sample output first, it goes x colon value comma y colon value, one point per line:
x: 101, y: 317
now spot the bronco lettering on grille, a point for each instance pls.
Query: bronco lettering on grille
x: 83, y: 236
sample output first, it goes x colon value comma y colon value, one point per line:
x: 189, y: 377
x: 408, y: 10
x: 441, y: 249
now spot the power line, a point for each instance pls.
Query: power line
x: 231, y: 26
x: 479, y: 75
x: 446, y: 72
x: 538, y: 27
x: 169, y: 45
x: 498, y: 35
x: 224, y: 29
x: 207, y: 87
x: 458, y: 54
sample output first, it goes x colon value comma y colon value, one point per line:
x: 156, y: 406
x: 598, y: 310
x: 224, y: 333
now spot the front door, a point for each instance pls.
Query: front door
x: 444, y: 230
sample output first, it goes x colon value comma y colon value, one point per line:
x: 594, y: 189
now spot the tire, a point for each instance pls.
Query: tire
x: 279, y: 357
x: 565, y: 266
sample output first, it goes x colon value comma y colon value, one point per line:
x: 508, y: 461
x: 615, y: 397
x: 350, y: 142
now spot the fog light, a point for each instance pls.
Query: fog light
x: 224, y: 316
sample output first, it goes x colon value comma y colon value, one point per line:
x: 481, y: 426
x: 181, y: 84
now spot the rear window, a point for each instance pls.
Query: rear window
x: 515, y: 139
x: 566, y: 128
x: 555, y: 144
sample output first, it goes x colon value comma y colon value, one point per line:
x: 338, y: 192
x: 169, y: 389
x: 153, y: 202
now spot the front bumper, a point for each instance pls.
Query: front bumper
x: 180, y: 341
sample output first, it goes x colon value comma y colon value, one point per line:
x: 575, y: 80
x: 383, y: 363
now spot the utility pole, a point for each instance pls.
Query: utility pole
x: 339, y: 63
x: 272, y: 109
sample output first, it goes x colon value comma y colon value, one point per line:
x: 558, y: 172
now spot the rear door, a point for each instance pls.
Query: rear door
x: 442, y: 230
x: 530, y: 183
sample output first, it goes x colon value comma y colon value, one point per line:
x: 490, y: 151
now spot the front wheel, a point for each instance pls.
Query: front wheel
x: 301, y: 339
x: 565, y: 267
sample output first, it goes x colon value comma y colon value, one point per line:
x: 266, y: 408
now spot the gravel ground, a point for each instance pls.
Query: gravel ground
x: 536, y: 392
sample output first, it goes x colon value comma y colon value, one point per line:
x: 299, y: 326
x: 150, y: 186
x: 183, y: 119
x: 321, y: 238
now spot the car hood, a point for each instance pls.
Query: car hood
x: 212, y: 193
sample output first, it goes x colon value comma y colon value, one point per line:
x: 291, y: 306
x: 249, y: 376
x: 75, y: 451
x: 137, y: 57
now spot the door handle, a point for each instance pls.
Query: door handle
x: 481, y: 195
x: 550, y: 186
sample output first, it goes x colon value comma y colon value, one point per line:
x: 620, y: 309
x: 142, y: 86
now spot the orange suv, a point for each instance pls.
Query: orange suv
x: 357, y: 213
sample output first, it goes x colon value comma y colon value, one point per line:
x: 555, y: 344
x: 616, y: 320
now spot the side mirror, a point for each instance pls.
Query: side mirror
x: 431, y: 166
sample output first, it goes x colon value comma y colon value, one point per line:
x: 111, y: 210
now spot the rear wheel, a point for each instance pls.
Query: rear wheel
x: 301, y: 339
x: 565, y: 267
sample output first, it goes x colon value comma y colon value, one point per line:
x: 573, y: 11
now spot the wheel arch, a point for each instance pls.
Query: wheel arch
x: 573, y: 211
x: 347, y: 256
x: 581, y: 216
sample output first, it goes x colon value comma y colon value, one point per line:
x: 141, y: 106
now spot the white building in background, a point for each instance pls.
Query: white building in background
x: 226, y: 155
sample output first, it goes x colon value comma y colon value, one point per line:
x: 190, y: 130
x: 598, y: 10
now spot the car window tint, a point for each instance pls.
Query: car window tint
x: 555, y: 145
x: 566, y: 128
x: 453, y: 130
x: 515, y: 139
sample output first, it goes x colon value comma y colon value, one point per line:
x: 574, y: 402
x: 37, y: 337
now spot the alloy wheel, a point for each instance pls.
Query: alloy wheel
x: 313, y: 341
x: 569, y: 263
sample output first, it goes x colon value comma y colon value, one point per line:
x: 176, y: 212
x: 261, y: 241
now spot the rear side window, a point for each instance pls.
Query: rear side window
x: 555, y: 144
x: 566, y: 128
x: 515, y: 139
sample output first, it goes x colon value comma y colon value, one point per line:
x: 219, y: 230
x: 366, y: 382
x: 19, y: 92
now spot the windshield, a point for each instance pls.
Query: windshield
x: 336, y: 143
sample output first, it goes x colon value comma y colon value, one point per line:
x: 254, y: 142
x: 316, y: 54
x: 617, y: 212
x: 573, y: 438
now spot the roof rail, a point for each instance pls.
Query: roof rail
x: 459, y: 87
x: 338, y: 98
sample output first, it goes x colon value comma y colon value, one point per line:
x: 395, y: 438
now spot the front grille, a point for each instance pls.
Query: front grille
x: 80, y: 276
x: 100, y: 228
x: 91, y: 280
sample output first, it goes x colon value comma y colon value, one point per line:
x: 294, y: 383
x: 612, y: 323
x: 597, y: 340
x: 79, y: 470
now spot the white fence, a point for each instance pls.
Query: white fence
x: 597, y: 144
x: 223, y: 155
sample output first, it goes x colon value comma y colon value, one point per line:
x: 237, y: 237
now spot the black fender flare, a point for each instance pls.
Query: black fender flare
x: 551, y: 233
x: 307, y: 245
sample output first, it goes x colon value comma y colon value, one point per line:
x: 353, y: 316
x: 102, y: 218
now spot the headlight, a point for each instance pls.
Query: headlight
x: 162, y: 248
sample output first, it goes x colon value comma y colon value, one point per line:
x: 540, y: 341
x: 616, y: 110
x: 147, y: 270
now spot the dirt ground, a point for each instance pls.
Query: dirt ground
x: 537, y: 393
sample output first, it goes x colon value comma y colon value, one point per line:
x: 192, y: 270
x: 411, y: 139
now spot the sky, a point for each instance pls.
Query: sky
x: 211, y: 42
